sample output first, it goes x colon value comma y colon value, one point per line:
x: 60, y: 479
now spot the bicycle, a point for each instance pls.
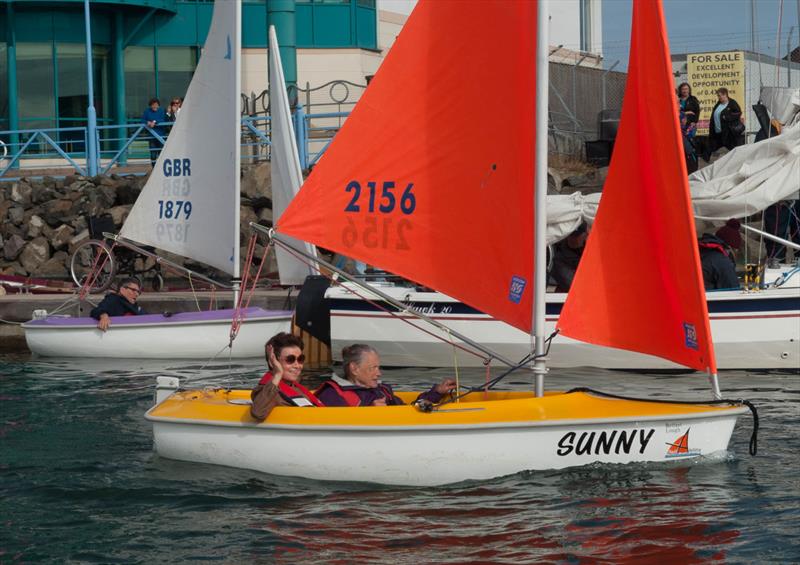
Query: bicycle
x: 98, y: 252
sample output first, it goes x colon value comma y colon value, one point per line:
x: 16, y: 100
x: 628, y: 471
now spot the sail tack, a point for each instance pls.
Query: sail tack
x: 431, y: 176
x: 190, y: 204
x: 639, y: 285
x: 285, y: 171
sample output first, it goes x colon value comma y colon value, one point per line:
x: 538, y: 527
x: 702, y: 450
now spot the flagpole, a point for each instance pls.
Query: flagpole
x: 540, y: 195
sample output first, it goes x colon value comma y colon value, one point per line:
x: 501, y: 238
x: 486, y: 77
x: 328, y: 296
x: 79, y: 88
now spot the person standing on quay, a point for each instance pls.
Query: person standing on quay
x: 726, y: 126
x: 154, y: 115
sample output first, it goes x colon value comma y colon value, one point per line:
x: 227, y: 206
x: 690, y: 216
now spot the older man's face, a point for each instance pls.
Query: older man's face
x: 368, y: 372
x: 130, y: 292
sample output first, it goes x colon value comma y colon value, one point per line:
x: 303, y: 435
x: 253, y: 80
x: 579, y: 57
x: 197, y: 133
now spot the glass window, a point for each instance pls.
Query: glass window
x: 3, y: 87
x: 176, y: 66
x: 35, y: 85
x: 366, y: 3
x: 140, y: 80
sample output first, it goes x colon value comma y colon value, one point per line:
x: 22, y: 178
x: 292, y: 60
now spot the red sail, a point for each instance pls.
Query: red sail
x: 431, y: 176
x: 639, y: 285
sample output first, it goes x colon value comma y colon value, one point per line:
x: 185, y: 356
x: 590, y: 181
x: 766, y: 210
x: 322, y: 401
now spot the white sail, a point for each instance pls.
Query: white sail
x: 190, y: 204
x: 285, y: 170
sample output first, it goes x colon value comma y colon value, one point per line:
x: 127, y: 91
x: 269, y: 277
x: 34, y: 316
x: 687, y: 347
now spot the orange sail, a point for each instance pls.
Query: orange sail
x: 639, y: 285
x: 431, y: 176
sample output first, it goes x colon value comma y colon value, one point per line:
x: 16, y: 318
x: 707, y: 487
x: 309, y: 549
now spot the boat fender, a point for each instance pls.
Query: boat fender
x: 167, y: 314
x: 40, y: 314
x: 165, y: 387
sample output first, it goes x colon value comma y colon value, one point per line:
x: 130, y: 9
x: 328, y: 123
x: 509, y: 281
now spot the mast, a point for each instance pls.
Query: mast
x: 540, y: 194
x: 237, y: 147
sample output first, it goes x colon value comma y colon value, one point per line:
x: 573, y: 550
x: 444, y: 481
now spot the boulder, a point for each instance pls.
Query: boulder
x: 246, y: 215
x: 128, y: 192
x: 256, y: 180
x: 35, y: 252
x: 35, y: 226
x: 62, y: 236
x: 21, y: 193
x: 53, y: 212
x: 16, y: 215
x: 265, y: 217
x: 119, y: 213
x: 4, y: 208
x: 14, y: 269
x: 79, y: 237
x: 55, y: 266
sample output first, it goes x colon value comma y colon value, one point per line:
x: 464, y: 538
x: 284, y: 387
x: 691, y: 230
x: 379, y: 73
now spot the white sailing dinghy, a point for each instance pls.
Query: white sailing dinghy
x: 190, y: 207
x: 449, y: 218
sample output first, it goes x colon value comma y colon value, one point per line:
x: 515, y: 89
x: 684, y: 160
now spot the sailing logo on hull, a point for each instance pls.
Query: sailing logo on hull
x: 680, y: 447
x: 516, y: 289
x: 605, y: 442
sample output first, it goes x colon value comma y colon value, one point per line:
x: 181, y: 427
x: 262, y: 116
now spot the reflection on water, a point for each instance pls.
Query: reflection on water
x: 79, y: 481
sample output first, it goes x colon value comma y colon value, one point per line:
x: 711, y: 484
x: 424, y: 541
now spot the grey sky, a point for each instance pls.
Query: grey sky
x: 704, y: 25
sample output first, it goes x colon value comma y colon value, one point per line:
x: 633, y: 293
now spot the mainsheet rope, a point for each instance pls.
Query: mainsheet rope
x: 379, y: 306
x: 238, y: 314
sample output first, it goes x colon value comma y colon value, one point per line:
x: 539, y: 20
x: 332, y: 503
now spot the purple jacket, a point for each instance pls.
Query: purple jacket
x: 329, y: 396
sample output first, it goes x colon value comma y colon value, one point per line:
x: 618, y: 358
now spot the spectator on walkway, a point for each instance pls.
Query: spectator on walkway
x: 726, y: 125
x: 154, y: 115
x: 689, y: 104
x: 174, y: 109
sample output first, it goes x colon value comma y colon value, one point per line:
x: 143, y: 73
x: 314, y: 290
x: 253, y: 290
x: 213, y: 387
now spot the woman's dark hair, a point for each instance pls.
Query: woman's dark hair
x: 687, y: 85
x: 279, y: 342
x: 353, y: 354
x: 154, y: 101
x: 722, y: 90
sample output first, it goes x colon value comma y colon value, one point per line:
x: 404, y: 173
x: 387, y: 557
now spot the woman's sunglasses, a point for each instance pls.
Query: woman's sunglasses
x: 290, y: 359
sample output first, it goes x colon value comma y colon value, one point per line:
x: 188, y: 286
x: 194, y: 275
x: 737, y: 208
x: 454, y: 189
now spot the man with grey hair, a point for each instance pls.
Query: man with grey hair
x: 361, y: 385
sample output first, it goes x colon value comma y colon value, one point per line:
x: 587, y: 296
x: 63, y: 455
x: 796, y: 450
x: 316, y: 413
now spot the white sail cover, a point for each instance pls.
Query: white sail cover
x: 190, y: 204
x: 750, y: 178
x: 285, y: 170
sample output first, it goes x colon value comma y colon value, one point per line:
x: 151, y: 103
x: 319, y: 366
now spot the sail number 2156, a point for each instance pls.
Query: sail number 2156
x: 385, y: 199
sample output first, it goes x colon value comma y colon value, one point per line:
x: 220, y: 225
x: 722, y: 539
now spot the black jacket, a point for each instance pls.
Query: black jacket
x: 719, y: 268
x: 692, y: 105
x: 115, y: 305
x: 730, y: 115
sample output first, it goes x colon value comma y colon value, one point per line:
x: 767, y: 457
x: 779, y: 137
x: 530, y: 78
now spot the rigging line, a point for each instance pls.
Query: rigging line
x: 194, y: 293
x: 455, y: 362
x: 778, y: 46
x: 739, y: 402
x: 401, y: 308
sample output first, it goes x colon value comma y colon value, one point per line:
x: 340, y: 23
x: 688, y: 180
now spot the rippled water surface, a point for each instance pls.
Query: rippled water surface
x: 79, y: 482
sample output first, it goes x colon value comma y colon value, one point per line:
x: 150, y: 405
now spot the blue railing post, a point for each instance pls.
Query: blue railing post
x: 301, y: 133
x: 91, y: 133
x: 11, y: 63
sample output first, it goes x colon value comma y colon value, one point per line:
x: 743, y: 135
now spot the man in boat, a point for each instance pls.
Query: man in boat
x: 718, y: 256
x: 120, y: 303
x: 280, y: 385
x: 567, y: 254
x: 361, y: 385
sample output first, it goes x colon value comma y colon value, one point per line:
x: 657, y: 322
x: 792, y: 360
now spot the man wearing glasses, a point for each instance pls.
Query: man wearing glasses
x: 120, y: 303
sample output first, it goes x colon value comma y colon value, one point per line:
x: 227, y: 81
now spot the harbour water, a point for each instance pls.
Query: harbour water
x: 79, y: 483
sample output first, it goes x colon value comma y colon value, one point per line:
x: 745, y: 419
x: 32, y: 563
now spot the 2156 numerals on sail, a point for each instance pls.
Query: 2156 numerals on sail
x: 387, y: 199
x: 381, y: 228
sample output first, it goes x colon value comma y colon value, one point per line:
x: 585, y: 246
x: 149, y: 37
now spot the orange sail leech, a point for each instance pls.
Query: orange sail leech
x: 431, y: 176
x: 656, y: 306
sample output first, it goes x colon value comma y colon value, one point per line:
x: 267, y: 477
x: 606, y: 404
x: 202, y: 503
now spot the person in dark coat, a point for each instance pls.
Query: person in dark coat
x: 726, y: 124
x: 120, y: 303
x: 717, y: 257
x: 689, y: 104
x: 567, y: 254
x: 154, y: 115
x: 362, y: 386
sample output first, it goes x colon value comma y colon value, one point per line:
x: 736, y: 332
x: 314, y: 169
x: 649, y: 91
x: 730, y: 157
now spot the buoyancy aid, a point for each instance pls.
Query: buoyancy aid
x: 716, y: 246
x: 349, y: 396
x: 295, y: 393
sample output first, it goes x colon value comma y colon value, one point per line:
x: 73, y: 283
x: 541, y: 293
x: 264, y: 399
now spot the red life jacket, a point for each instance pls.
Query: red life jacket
x: 717, y: 246
x: 350, y: 397
x: 292, y: 391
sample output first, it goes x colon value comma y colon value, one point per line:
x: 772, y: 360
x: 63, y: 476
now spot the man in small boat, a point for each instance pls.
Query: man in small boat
x: 280, y: 386
x: 120, y: 303
x: 718, y: 258
x: 361, y: 385
x: 567, y: 254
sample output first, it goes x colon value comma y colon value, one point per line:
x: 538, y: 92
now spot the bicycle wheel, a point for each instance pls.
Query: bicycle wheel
x: 89, y: 255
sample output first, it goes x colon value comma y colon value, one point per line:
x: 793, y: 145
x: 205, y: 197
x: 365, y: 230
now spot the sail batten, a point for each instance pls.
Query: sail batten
x: 431, y: 176
x: 639, y: 285
x: 190, y: 203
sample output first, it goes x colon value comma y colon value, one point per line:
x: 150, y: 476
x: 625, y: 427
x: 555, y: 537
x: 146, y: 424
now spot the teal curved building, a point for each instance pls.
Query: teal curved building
x: 144, y: 48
